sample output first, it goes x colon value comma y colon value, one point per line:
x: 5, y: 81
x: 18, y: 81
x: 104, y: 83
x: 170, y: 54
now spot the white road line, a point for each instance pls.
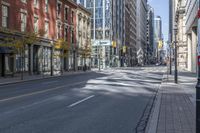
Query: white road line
x: 39, y: 92
x: 83, y: 100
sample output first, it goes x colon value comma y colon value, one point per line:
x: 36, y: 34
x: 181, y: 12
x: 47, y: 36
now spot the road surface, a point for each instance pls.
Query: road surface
x: 110, y: 101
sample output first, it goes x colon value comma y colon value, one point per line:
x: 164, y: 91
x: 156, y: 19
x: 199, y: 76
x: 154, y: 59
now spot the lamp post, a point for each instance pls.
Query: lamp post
x: 170, y: 57
x: 198, y: 83
x: 175, y: 54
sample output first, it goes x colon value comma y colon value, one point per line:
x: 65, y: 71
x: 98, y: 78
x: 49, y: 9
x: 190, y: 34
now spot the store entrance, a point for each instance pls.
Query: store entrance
x: 6, y: 65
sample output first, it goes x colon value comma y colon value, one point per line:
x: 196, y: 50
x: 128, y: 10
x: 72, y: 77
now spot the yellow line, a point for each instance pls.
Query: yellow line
x: 39, y: 92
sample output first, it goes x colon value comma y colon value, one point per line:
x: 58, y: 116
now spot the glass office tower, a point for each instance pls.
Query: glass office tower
x: 100, y: 30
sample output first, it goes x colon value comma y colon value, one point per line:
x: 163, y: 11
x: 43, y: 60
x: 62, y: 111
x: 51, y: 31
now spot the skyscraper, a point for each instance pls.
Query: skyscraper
x: 141, y: 31
x: 130, y: 32
x: 118, y: 31
x: 114, y: 31
x: 158, y: 42
x: 150, y: 35
x: 100, y: 30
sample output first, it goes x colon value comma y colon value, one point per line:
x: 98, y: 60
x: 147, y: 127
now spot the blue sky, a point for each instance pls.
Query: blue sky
x: 161, y: 8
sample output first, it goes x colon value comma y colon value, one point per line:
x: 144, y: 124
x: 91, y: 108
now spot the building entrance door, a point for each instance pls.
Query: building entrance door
x: 1, y: 65
x: 6, y: 64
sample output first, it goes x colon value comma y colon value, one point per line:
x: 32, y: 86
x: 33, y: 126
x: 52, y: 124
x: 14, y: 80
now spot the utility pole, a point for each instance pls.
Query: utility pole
x: 198, y: 83
x: 170, y: 59
x: 175, y: 50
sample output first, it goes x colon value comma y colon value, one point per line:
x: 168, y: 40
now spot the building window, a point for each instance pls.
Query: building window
x: 24, y: 1
x: 36, y: 3
x: 46, y: 28
x: 66, y: 13
x: 36, y: 24
x: 58, y: 31
x: 4, y: 16
x: 72, y: 17
x: 66, y: 33
x: 72, y: 36
x: 46, y: 5
x: 23, y: 21
x: 59, y: 6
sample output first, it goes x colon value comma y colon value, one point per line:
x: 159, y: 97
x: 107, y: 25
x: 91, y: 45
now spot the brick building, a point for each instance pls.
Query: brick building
x: 52, y: 20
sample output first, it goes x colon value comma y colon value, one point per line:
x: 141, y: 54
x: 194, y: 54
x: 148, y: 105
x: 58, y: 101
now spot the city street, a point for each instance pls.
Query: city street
x: 110, y: 101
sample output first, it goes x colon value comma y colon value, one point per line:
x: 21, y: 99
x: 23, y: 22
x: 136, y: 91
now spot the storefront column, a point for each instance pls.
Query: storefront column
x: 3, y: 65
x: 194, y: 49
x: 31, y: 60
x: 189, y: 43
x: 74, y: 60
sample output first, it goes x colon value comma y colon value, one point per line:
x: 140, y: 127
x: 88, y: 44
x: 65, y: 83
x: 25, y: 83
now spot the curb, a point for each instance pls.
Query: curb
x: 153, y: 121
x: 42, y: 78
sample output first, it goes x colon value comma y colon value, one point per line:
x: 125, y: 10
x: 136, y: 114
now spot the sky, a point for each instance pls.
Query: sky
x: 161, y: 8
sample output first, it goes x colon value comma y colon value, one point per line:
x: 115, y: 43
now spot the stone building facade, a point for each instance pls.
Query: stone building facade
x: 184, y: 14
x: 83, y: 36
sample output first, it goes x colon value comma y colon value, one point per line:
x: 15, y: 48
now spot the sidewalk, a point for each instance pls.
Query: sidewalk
x: 27, y: 77
x: 174, y: 111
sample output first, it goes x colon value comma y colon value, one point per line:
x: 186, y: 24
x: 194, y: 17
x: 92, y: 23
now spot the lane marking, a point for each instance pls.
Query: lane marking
x: 40, y: 92
x: 83, y: 100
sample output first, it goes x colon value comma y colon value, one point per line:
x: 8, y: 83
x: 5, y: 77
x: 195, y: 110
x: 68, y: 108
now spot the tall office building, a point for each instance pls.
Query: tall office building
x: 130, y: 51
x: 171, y: 18
x: 100, y: 30
x: 150, y: 35
x: 158, y: 42
x: 114, y: 31
x: 124, y: 31
x: 141, y: 31
x: 118, y: 32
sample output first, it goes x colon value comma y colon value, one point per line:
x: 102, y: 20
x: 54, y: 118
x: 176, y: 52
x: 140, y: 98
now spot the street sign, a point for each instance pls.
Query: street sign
x: 114, y: 45
x: 124, y: 49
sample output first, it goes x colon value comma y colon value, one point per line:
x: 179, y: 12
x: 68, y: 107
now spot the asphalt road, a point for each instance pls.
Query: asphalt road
x: 111, y: 101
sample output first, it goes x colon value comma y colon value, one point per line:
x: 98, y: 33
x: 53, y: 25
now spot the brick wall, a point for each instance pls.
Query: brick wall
x: 16, y: 6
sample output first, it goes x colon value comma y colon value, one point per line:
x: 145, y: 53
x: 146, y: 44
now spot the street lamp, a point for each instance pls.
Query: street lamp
x: 170, y: 58
x: 175, y: 54
x: 52, y: 51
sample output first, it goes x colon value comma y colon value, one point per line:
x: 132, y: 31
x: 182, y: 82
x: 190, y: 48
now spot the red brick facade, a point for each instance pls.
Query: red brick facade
x: 16, y: 7
x: 58, y: 18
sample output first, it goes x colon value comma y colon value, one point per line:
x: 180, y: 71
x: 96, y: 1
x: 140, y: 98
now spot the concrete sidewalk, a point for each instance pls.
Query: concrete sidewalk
x: 27, y: 77
x: 174, y: 110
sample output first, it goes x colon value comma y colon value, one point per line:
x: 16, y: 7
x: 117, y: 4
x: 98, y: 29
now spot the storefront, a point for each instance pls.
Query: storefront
x: 42, y: 59
x: 6, y: 62
x: 57, y: 61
